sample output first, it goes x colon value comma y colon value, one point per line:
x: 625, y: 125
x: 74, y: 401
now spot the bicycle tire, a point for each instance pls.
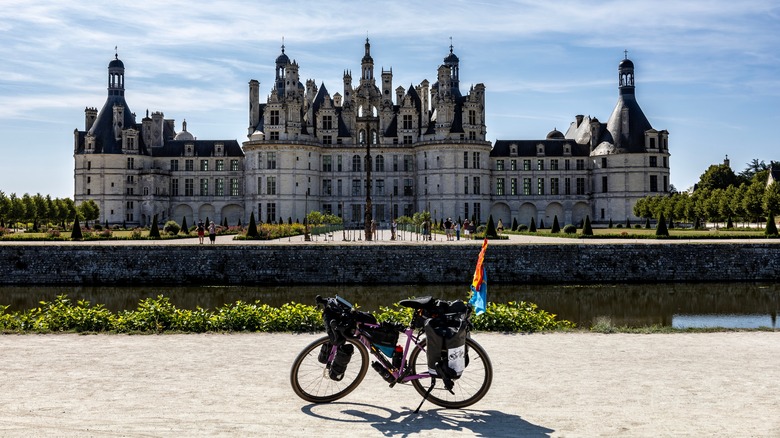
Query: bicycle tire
x: 468, y: 389
x: 309, y: 378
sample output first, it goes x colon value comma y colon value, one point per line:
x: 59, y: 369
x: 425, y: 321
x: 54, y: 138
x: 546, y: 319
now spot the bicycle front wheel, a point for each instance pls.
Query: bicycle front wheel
x: 311, y: 381
x: 469, y: 388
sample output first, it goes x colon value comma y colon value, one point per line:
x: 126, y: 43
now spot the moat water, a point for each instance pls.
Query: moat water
x: 681, y: 305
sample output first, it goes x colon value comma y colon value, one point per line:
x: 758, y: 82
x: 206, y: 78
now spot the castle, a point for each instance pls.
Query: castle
x: 400, y: 150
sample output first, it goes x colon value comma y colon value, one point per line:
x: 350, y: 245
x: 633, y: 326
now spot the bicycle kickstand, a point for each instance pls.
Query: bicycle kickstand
x: 425, y: 397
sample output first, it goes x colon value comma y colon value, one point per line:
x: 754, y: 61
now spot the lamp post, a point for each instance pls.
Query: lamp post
x: 368, y: 192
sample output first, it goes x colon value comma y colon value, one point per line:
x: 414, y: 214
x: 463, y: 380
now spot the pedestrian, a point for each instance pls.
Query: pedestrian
x: 448, y: 228
x: 466, y: 229
x: 373, y: 229
x: 201, y: 230
x: 212, y: 232
x: 457, y: 231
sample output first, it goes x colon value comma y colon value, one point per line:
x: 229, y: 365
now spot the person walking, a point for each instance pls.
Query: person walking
x: 448, y: 228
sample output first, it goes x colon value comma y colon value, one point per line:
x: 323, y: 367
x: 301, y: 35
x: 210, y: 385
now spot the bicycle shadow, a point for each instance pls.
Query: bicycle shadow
x: 489, y: 423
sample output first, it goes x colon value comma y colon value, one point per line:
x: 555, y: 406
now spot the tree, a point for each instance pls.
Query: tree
x: 252, y: 231
x: 184, y: 228
x: 647, y: 223
x: 17, y: 210
x: 154, y: 232
x: 89, y: 211
x: 771, y: 198
x: 586, y: 228
x: 555, y: 226
x: 532, y: 226
x: 610, y: 223
x: 717, y: 176
x: 753, y: 167
x: 75, y: 233
x: 661, y: 230
x: 514, y: 224
x: 753, y: 201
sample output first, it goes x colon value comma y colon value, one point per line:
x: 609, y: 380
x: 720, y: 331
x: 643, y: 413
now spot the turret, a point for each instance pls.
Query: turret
x: 90, y: 114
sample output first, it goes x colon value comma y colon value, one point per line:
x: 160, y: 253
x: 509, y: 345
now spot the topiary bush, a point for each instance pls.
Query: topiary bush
x: 172, y: 228
x: 570, y: 229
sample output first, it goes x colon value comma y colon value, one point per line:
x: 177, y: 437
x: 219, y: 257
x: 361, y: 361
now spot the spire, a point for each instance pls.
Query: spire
x: 116, y: 76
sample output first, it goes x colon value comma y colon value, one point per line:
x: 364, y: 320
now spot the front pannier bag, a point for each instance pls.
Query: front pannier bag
x: 384, y: 337
x: 446, y: 332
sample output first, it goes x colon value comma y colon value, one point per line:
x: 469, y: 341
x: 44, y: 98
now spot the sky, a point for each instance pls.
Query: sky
x: 706, y: 71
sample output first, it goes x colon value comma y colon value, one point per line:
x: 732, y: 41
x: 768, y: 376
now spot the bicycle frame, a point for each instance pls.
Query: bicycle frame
x: 397, y: 373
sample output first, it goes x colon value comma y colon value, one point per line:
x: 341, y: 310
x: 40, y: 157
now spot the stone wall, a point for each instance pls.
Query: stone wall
x: 377, y: 264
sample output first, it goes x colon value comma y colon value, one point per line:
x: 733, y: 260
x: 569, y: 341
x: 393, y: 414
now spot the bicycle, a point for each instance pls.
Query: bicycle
x: 314, y: 376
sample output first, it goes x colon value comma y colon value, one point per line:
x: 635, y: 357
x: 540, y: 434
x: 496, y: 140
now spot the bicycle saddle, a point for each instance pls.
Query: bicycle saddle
x: 417, y: 303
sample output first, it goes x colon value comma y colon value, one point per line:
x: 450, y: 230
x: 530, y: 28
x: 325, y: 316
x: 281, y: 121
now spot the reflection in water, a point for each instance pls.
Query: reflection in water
x: 632, y: 305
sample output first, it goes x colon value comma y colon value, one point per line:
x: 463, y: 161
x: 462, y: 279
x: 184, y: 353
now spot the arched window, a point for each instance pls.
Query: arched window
x: 356, y: 163
x: 374, y: 137
x: 380, y: 163
x: 362, y: 137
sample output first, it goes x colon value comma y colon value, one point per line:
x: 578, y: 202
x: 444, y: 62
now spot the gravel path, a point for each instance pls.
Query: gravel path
x: 561, y: 385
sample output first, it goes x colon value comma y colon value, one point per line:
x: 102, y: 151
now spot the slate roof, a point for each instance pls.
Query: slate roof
x: 527, y: 148
x: 203, y: 148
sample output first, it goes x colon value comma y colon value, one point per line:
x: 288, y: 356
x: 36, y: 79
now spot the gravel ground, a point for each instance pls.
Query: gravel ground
x: 723, y: 384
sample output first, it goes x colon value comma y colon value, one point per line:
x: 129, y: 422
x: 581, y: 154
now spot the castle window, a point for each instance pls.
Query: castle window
x: 327, y: 163
x: 220, y: 165
x: 526, y: 165
x: 580, y: 164
x: 554, y: 186
x: 355, y: 187
x: 356, y: 163
x: 604, y: 162
x: 234, y: 165
x: 465, y: 160
x: 604, y: 185
x: 204, y: 187
x: 539, y: 164
x: 270, y: 160
x: 540, y: 186
x: 130, y: 162
x: 219, y: 186
x: 653, y: 161
x: 475, y: 160
x: 174, y: 187
x: 499, y: 164
x: 580, y: 186
x: 189, y: 165
x: 327, y: 122
x: 380, y: 163
x: 274, y: 119
x: 174, y: 165
x: 189, y: 186
x: 513, y: 165
x: 270, y: 185
x: 327, y: 139
x: 653, y: 183
x: 273, y: 135
x: 472, y: 117
x: 204, y: 165
x: 234, y: 187
x: 553, y: 164
x: 567, y: 186
x: 500, y: 186
x: 513, y: 187
x: 407, y: 121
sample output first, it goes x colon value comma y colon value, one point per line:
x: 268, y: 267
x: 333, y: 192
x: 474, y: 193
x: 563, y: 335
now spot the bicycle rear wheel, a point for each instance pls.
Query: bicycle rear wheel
x: 311, y: 381
x: 469, y: 388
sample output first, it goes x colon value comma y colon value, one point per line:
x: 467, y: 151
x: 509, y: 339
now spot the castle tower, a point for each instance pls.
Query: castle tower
x: 367, y: 67
x: 281, y: 62
x: 116, y: 77
x: 452, y: 61
x: 254, y: 105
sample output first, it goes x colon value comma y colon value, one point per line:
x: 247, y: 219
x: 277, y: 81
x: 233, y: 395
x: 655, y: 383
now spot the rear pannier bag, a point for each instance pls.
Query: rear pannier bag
x: 384, y: 337
x: 446, y: 333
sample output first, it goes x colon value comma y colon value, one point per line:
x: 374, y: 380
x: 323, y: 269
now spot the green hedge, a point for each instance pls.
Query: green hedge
x: 159, y: 315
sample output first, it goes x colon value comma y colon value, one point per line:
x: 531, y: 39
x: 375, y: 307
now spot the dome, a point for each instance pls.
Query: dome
x: 282, y: 59
x: 626, y: 63
x: 451, y: 58
x: 555, y: 135
x: 116, y: 63
x: 184, y: 135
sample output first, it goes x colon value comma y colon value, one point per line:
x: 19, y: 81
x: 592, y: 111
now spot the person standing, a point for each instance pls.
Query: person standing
x: 201, y: 230
x: 448, y: 228
x: 457, y: 230
x: 212, y: 232
x: 466, y: 229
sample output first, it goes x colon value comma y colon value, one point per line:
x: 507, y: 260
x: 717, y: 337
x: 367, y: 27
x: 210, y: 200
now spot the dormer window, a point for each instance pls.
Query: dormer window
x: 566, y: 149
x: 540, y: 149
x: 513, y: 150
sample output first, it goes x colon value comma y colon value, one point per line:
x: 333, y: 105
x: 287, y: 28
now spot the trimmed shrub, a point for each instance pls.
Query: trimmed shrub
x: 610, y: 223
x: 184, y: 227
x: 172, y: 228
x: 154, y: 232
x: 532, y: 227
x: 75, y: 233
x: 252, y: 231
x: 555, y: 227
x: 523, y: 227
x: 586, y: 229
x: 514, y: 224
x: 490, y: 232
x: 570, y: 229
x: 661, y: 230
x: 771, y: 227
